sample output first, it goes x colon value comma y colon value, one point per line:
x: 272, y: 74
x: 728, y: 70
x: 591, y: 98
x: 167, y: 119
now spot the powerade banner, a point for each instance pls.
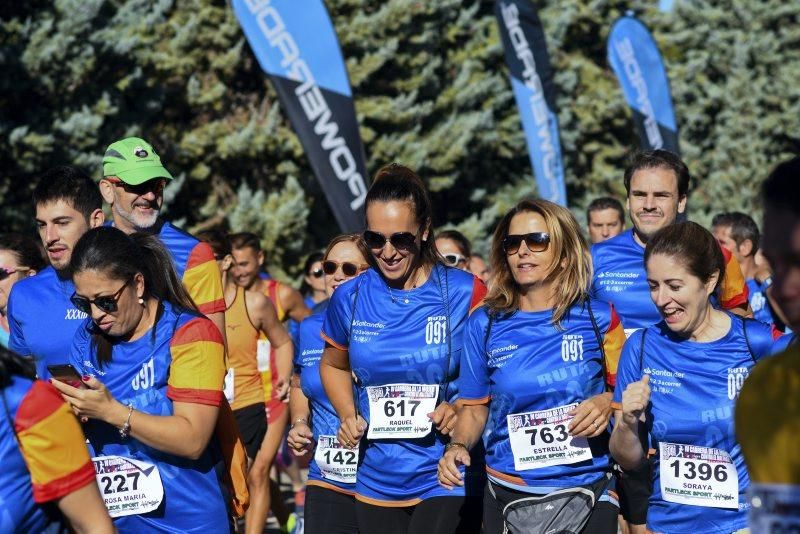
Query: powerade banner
x: 532, y: 83
x: 636, y: 61
x: 296, y: 45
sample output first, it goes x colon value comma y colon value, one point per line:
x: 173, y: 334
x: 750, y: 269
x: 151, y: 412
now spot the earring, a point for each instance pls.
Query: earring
x: 141, y: 301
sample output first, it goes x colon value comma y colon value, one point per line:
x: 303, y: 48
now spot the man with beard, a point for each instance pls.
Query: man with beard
x: 42, y: 320
x: 657, y: 185
x: 133, y: 184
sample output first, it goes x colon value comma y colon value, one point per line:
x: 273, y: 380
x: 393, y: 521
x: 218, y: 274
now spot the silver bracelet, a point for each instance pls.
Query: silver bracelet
x: 126, y: 428
x: 299, y: 420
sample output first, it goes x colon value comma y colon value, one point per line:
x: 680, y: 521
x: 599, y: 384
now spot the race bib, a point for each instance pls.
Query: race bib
x: 540, y: 439
x: 128, y: 486
x: 401, y: 410
x: 774, y: 508
x: 334, y: 461
x: 263, y: 349
x: 699, y: 476
x: 227, y: 387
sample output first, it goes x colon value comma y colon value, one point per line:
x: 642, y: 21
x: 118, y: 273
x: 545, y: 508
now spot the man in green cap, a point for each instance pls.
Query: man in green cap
x: 133, y: 184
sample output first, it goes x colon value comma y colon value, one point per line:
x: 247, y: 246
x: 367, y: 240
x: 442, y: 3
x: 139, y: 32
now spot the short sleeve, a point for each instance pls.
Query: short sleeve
x: 81, y: 350
x: 52, y: 444
x: 478, y: 294
x: 197, y: 369
x: 203, y: 280
x: 336, y: 327
x: 16, y: 338
x: 629, y: 369
x: 613, y: 341
x: 473, y: 379
x: 733, y: 291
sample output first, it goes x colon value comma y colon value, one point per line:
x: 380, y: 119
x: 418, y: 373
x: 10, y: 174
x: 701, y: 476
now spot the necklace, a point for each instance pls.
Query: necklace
x: 405, y: 299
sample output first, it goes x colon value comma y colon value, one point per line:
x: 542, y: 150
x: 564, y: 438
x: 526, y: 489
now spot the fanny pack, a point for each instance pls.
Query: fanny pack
x: 565, y: 511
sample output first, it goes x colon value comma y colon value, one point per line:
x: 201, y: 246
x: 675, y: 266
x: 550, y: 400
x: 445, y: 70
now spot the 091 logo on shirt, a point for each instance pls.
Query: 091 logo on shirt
x: 572, y: 347
x: 146, y: 377
x: 436, y: 330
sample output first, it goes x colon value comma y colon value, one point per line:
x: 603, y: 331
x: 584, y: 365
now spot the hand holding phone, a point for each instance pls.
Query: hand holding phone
x: 66, y: 373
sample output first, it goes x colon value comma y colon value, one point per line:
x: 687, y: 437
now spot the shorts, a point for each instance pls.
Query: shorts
x: 252, y: 426
x: 634, y: 488
x: 275, y: 408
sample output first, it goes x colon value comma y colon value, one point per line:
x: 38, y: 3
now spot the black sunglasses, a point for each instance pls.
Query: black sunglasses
x: 316, y: 273
x: 105, y: 303
x: 535, y: 241
x: 404, y: 241
x: 349, y: 269
x: 156, y: 185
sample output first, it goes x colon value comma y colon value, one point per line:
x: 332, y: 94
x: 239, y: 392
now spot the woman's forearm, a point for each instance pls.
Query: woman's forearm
x: 470, y: 424
x: 338, y: 385
x: 186, y: 433
x: 298, y: 404
x: 626, y: 448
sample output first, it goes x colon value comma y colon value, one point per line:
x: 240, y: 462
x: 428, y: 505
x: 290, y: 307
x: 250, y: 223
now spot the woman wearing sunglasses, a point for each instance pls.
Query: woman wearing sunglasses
x: 152, y: 369
x: 454, y: 248
x: 678, y: 384
x: 539, y: 361
x: 20, y: 257
x: 313, y: 286
x: 398, y: 330
x: 330, y: 505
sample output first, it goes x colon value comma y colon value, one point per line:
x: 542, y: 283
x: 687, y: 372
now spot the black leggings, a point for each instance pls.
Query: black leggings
x: 437, y: 515
x: 328, y: 511
x: 603, y: 519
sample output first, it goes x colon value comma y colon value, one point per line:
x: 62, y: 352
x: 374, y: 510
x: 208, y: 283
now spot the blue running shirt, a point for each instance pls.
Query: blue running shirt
x: 527, y: 364
x: 758, y: 301
x: 42, y: 320
x: 181, y: 362
x: 620, y: 278
x: 400, y: 337
x: 694, y: 387
x: 324, y: 419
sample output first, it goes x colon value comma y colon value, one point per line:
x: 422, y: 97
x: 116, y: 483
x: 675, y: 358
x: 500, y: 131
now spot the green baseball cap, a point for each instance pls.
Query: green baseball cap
x: 133, y: 161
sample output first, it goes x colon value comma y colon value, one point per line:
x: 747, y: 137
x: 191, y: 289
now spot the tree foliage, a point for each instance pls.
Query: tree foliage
x: 431, y: 91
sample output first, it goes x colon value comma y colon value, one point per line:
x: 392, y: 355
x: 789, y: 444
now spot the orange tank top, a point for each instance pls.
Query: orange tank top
x: 266, y: 354
x: 242, y: 352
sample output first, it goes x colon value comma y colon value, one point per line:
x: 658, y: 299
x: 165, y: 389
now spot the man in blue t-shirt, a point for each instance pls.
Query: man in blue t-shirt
x: 739, y: 234
x: 657, y: 185
x: 42, y: 320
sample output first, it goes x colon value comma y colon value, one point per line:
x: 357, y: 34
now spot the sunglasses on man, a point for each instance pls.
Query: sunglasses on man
x: 535, y: 241
x: 156, y: 186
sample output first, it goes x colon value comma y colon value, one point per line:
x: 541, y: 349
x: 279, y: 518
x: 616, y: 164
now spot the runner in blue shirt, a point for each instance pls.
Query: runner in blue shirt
x: 20, y: 257
x: 398, y: 330
x: 330, y: 501
x: 738, y: 233
x: 539, y: 362
x: 153, y: 369
x: 657, y: 185
x: 678, y: 382
x: 42, y: 320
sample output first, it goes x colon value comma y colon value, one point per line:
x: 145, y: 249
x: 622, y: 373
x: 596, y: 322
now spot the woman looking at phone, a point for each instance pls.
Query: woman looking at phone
x: 153, y: 370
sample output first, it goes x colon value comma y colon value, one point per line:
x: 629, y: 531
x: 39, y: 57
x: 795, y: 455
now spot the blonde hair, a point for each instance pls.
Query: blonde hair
x: 571, y: 283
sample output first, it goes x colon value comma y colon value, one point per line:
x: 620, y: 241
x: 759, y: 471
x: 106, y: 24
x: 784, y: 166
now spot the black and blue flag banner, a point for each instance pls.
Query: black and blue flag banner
x: 532, y: 83
x: 634, y: 56
x: 296, y: 45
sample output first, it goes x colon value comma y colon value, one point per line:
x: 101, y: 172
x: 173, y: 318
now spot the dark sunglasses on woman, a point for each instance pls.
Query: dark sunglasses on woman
x: 535, y: 241
x: 104, y: 303
x: 404, y: 241
x: 5, y: 272
x: 316, y: 273
x: 349, y: 269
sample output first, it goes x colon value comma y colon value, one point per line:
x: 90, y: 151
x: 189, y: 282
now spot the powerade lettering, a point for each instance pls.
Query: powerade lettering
x: 539, y: 109
x: 634, y: 74
x: 311, y: 99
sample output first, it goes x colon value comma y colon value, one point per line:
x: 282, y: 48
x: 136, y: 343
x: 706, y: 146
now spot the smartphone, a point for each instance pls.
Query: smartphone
x: 65, y: 372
